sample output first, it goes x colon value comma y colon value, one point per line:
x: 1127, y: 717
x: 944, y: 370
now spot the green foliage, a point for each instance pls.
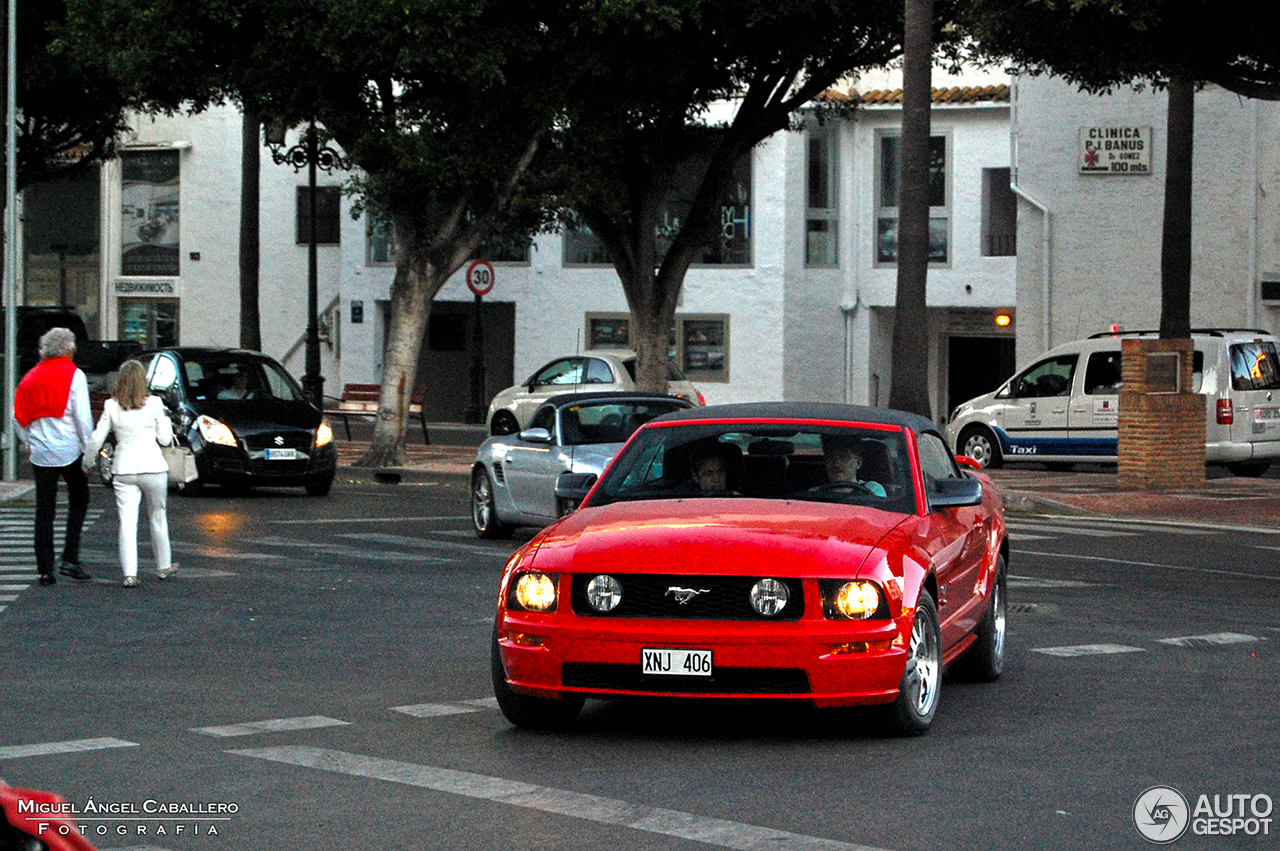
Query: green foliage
x: 70, y: 109
x: 1101, y: 44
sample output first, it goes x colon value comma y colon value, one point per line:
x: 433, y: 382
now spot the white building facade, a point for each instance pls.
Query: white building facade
x: 1089, y: 232
x: 798, y: 304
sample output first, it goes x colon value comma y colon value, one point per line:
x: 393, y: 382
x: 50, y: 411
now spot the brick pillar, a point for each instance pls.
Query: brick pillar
x: 1162, y: 423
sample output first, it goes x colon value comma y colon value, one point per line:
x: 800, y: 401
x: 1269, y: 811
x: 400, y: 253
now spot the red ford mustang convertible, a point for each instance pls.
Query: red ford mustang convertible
x: 818, y: 552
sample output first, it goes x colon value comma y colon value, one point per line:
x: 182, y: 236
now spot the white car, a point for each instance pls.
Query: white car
x: 591, y: 371
x: 1064, y: 408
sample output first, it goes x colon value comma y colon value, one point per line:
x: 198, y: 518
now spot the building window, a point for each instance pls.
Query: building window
x: 608, y: 331
x: 505, y: 248
x: 153, y: 322
x: 379, y: 246
x: 61, y: 222
x: 328, y: 210
x: 821, y: 246
x: 731, y: 245
x: 149, y: 213
x: 889, y: 186
x: 699, y: 342
x: 583, y: 248
x: 704, y: 347
x: 999, y: 214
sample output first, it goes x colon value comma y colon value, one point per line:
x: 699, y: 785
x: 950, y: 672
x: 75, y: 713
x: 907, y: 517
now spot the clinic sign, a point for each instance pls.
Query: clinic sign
x: 1115, y: 149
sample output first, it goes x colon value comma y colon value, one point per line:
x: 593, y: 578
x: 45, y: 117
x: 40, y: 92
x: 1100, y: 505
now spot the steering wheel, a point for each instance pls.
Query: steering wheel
x: 842, y: 487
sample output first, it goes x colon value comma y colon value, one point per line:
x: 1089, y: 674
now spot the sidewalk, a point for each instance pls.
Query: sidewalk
x: 1094, y: 491
x: 1224, y: 501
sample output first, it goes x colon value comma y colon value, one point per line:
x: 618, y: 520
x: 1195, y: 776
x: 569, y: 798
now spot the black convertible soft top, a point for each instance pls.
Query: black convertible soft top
x: 830, y: 411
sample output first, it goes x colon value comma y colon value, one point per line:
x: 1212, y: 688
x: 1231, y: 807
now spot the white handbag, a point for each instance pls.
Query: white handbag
x: 182, y: 464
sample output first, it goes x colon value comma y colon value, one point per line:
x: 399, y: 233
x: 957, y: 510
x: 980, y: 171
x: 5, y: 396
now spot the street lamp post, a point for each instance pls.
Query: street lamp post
x: 314, y: 156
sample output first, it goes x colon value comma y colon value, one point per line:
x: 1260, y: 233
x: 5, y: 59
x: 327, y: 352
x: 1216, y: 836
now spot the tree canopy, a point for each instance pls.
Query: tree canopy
x: 70, y: 110
x: 1102, y: 44
x: 644, y: 141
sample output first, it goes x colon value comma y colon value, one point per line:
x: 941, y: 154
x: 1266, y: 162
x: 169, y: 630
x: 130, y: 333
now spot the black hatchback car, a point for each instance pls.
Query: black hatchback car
x: 244, y: 417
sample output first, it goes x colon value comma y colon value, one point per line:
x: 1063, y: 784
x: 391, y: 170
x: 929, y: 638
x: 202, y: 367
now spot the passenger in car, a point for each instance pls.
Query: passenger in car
x: 843, y: 458
x: 709, y: 468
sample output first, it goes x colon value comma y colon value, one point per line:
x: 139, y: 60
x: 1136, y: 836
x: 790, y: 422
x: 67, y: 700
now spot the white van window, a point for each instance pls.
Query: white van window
x: 1254, y: 366
x: 1102, y: 375
x: 1048, y: 378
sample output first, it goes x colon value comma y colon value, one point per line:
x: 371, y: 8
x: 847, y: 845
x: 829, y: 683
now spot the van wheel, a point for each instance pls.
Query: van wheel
x: 1249, y: 469
x: 978, y: 443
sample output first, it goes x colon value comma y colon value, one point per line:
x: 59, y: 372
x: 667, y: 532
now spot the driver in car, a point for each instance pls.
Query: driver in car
x: 842, y: 460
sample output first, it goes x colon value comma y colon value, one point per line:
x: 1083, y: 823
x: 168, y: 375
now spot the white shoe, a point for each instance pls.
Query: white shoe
x: 166, y: 572
x: 131, y: 582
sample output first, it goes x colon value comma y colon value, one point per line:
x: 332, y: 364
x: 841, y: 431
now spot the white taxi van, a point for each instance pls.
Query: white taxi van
x: 1064, y: 408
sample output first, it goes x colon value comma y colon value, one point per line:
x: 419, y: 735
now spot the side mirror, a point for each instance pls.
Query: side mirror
x: 966, y: 461
x: 535, y: 435
x: 955, y: 493
x: 574, y: 487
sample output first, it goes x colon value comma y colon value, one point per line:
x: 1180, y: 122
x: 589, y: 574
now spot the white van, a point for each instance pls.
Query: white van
x: 1064, y: 408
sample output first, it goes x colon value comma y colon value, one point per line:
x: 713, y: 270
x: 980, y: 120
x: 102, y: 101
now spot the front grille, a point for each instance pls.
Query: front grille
x: 614, y: 677
x: 299, y: 440
x: 723, y: 598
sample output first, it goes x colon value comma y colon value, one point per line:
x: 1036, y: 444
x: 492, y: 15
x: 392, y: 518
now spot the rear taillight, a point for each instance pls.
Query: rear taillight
x: 1226, y: 413
x: 702, y: 400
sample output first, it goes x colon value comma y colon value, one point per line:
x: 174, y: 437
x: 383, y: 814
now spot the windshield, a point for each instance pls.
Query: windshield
x: 238, y: 379
x: 610, y: 422
x: 857, y: 465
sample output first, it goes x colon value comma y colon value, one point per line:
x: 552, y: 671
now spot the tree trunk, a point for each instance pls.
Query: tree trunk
x: 1175, y: 251
x: 909, y: 390
x: 250, y: 168
x: 411, y: 295
x: 652, y: 318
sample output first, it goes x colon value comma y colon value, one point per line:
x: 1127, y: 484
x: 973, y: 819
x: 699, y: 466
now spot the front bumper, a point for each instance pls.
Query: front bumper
x: 829, y: 663
x: 230, y: 465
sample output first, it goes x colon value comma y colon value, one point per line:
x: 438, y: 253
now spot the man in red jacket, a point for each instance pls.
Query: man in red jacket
x: 51, y: 411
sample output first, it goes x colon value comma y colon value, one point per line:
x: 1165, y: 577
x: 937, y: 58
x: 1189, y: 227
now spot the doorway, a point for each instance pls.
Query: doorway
x: 444, y: 362
x: 977, y: 365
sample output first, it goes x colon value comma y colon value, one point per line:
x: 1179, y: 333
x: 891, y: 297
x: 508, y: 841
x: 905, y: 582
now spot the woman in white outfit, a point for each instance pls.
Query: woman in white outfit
x: 138, y: 468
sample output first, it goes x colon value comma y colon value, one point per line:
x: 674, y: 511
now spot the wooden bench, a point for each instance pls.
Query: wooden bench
x: 361, y: 400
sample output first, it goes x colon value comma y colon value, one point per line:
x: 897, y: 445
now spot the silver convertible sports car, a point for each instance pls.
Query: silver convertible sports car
x: 531, y: 478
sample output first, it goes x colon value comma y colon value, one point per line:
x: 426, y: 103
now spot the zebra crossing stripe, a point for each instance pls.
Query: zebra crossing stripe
x: 610, y: 811
x: 1087, y: 650
x: 434, y: 710
x: 1212, y: 640
x: 74, y: 746
x: 276, y: 725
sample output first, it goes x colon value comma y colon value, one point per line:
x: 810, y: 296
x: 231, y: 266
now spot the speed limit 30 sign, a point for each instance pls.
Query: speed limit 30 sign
x: 480, y: 277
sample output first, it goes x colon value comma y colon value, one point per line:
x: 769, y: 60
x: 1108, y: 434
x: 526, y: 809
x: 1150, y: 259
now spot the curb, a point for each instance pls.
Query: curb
x: 1021, y: 503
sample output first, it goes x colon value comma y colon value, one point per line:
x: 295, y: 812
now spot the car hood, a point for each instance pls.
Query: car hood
x: 259, y: 415
x: 716, y: 536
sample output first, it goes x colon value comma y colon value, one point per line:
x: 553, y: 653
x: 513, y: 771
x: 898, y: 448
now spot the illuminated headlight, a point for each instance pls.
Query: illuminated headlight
x: 857, y: 600
x: 535, y: 592
x: 214, y: 431
x: 604, y: 593
x: 324, y: 434
x: 769, y: 597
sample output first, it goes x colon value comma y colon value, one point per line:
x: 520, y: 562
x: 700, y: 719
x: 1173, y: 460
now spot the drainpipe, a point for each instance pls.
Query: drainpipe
x: 1039, y: 205
x: 850, y: 310
x: 1251, y: 303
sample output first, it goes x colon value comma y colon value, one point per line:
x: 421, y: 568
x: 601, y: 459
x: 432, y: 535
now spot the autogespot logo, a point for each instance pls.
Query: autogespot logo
x: 1160, y: 814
